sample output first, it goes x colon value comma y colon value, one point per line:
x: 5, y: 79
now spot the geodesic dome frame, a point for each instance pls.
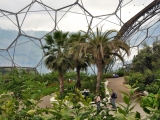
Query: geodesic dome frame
x: 24, y: 48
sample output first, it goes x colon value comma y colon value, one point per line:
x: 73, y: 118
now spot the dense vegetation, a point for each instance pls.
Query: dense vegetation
x: 145, y: 72
x: 20, y: 98
x: 68, y: 56
x: 145, y: 75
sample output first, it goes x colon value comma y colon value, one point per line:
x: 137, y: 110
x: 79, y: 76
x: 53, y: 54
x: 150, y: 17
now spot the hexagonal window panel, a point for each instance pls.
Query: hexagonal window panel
x: 73, y: 19
x: 36, y: 18
x: 137, y: 38
x: 26, y: 52
x: 5, y: 59
x: 57, y: 4
x: 15, y: 5
x: 99, y: 7
x: 108, y: 23
x: 41, y: 68
x: 7, y: 37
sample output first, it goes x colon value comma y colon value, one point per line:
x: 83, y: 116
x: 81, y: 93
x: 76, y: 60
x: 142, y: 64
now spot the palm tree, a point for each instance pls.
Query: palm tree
x: 103, y: 47
x: 81, y: 60
x: 56, y: 55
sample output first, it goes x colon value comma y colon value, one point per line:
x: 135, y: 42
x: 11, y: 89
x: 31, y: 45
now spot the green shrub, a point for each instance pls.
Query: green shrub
x: 108, y: 75
x: 70, y: 75
x: 157, y: 74
x: 152, y: 88
x: 135, y: 78
x: 150, y: 104
x: 141, y: 87
x: 120, y: 72
x: 89, y: 84
x: 126, y: 79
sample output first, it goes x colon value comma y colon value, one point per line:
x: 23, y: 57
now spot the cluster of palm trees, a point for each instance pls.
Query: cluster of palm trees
x: 79, y: 50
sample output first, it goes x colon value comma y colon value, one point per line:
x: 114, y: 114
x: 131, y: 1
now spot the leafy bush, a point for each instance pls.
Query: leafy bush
x: 50, y: 77
x: 141, y: 87
x: 124, y: 111
x: 149, y: 76
x: 108, y: 75
x: 89, y: 82
x: 120, y: 72
x: 152, y: 88
x: 150, y: 103
x: 135, y: 78
x: 154, y: 116
x: 126, y: 79
x: 70, y: 75
x: 157, y: 74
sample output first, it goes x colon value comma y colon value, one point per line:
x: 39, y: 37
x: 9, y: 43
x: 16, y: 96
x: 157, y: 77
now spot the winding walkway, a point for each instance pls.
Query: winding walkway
x: 113, y: 83
x: 117, y: 85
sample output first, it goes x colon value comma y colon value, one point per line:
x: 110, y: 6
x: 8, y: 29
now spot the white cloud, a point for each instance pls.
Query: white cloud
x: 40, y: 21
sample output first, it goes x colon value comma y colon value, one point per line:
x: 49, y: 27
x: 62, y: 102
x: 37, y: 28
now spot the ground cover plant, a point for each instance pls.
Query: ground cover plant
x: 25, y: 106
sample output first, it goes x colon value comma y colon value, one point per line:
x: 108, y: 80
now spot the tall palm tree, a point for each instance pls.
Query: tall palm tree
x: 56, y: 55
x: 81, y: 60
x: 103, y: 47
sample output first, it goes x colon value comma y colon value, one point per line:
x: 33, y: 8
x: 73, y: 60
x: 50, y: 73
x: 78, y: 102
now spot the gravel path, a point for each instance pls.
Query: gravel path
x: 114, y: 83
x: 117, y: 85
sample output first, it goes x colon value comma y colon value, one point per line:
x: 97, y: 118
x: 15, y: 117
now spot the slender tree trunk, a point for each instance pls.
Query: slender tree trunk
x: 61, y: 83
x: 78, y: 84
x: 99, y: 74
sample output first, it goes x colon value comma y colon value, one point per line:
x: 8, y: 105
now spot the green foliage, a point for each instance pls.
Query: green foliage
x: 141, y: 87
x: 151, y: 105
x: 144, y: 81
x: 155, y: 116
x: 64, y: 109
x: 21, y: 82
x: 120, y: 72
x: 135, y: 78
x: 157, y: 74
x: 102, y: 90
x: 78, y: 109
x: 143, y: 60
x: 14, y: 109
x: 89, y: 82
x: 126, y: 79
x: 108, y: 75
x: 70, y: 87
x: 124, y: 112
x: 147, y: 58
x: 149, y: 76
x: 70, y: 75
x: 49, y: 77
x: 152, y: 88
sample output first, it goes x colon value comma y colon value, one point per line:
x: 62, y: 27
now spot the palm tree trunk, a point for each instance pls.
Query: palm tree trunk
x: 78, y: 84
x: 99, y: 74
x: 61, y: 83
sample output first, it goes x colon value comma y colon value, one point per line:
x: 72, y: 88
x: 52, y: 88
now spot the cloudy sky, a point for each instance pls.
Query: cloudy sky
x: 72, y: 18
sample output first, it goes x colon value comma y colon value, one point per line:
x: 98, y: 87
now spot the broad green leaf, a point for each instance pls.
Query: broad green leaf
x: 138, y: 115
x: 132, y: 107
x: 150, y: 99
x: 31, y: 112
x: 131, y: 92
x: 123, y: 93
x: 121, y: 111
x: 120, y: 116
x: 121, y: 105
x: 126, y: 99
x: 151, y: 109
